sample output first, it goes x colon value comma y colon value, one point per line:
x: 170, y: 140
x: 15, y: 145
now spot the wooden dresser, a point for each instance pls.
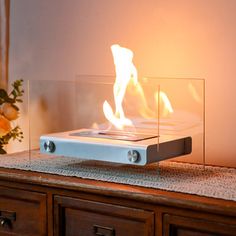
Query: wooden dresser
x: 42, y: 204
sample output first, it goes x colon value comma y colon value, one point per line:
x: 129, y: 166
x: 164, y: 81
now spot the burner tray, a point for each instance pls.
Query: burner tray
x: 116, y: 135
x: 138, y: 149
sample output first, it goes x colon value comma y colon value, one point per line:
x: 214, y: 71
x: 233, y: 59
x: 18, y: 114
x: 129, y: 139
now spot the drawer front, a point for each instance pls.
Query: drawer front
x: 22, y: 212
x: 76, y: 217
x: 184, y: 226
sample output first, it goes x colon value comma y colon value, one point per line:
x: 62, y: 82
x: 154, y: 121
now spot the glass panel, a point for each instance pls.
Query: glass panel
x: 187, y: 99
x: 160, y: 118
x: 51, y: 108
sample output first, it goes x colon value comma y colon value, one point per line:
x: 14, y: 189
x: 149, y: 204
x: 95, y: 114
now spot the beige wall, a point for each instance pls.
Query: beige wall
x: 57, y: 39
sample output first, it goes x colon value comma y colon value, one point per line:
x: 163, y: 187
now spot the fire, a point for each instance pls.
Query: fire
x: 126, y: 73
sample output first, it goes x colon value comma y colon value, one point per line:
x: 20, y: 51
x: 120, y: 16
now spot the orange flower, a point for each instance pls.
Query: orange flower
x: 9, y: 111
x: 5, y: 126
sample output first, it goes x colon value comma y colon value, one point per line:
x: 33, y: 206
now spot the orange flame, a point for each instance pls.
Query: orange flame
x: 126, y: 73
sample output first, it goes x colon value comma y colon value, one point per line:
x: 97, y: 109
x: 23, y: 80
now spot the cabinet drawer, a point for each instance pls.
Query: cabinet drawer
x: 184, y: 226
x: 76, y: 217
x: 22, y: 212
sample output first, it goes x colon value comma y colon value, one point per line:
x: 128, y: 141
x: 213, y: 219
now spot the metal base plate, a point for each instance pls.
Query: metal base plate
x: 144, y: 150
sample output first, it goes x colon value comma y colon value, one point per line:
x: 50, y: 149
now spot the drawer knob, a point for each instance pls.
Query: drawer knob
x: 6, y: 218
x: 4, y: 222
x: 103, y: 231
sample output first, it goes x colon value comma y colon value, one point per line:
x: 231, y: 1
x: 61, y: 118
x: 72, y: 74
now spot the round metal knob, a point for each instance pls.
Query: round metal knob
x: 49, y: 146
x: 3, y: 222
x: 133, y: 156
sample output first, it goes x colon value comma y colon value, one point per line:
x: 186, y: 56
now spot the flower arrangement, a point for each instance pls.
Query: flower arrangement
x: 8, y: 113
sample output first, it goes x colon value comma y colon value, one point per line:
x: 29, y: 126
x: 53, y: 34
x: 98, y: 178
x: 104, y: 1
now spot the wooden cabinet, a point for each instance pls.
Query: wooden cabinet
x: 76, y: 217
x: 179, y: 226
x: 22, y: 212
x: 35, y: 204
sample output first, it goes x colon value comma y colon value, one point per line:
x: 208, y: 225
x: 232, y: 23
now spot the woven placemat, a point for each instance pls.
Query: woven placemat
x: 217, y: 182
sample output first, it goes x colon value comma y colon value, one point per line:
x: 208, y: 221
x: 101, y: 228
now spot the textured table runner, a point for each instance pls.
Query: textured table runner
x: 217, y: 182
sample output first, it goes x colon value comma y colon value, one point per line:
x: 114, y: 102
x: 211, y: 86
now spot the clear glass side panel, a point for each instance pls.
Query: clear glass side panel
x: 51, y: 109
x: 182, y: 115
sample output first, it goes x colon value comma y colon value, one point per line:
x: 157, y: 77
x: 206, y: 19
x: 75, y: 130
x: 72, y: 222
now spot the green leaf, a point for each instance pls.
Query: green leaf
x: 10, y: 100
x: 3, y: 93
x: 17, y: 108
x: 2, y: 151
x: 14, y: 92
x: 19, y: 100
x: 17, y: 89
